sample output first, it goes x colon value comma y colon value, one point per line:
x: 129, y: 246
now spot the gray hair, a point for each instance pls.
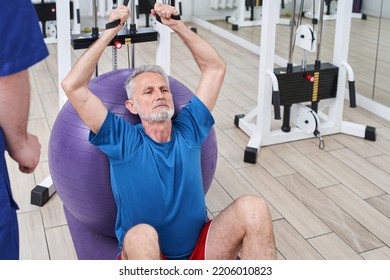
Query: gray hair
x: 130, y: 82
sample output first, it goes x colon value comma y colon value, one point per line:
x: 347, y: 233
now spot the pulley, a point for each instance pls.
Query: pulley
x: 307, y: 120
x: 305, y: 38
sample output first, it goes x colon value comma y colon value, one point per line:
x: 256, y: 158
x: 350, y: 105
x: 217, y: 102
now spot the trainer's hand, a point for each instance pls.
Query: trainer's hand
x: 26, y: 153
x: 168, y: 14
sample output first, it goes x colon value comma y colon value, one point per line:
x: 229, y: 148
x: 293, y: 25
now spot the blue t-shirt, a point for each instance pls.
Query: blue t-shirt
x: 21, y: 39
x: 159, y: 184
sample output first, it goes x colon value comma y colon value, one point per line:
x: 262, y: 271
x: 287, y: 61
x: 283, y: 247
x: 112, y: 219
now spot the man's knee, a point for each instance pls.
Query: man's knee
x: 140, y: 234
x: 141, y: 243
x: 253, y: 208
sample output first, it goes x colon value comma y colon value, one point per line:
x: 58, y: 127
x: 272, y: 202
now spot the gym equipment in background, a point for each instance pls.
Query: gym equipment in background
x: 331, y: 10
x: 47, y: 11
x: 80, y: 171
x: 241, y: 18
x: 129, y: 35
x: 318, y: 89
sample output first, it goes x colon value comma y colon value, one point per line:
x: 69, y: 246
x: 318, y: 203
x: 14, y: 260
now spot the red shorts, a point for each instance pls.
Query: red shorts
x: 200, y: 247
x: 199, y: 250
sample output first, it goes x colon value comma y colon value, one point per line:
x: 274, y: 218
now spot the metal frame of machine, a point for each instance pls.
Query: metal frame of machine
x: 321, y: 84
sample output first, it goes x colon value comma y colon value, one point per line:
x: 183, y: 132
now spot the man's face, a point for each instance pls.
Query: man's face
x: 152, y: 99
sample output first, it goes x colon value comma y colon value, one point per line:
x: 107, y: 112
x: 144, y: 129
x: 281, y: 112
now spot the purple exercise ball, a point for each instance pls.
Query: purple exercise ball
x: 80, y: 171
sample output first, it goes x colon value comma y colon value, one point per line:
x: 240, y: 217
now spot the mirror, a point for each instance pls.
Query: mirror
x: 369, y: 39
x: 381, y: 92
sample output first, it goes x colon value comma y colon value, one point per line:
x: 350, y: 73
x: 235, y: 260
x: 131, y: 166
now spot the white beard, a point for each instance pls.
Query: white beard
x: 165, y: 115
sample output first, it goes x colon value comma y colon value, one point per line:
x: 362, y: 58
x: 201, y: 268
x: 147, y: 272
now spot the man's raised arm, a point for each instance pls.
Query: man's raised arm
x: 89, y: 107
x: 211, y: 65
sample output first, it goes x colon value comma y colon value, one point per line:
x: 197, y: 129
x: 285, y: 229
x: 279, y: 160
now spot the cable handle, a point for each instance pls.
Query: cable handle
x: 158, y: 18
x: 175, y: 17
x: 115, y: 23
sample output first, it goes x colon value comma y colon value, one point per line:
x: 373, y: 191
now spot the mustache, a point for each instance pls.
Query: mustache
x: 161, y: 102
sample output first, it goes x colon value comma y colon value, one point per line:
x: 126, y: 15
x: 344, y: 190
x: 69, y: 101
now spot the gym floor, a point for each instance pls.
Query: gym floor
x: 325, y: 204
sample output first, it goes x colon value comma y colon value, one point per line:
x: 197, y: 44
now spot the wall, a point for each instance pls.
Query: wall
x: 201, y: 9
x: 85, y: 7
x: 372, y: 8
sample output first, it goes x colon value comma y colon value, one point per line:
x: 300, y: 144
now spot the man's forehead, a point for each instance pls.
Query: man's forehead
x: 148, y: 79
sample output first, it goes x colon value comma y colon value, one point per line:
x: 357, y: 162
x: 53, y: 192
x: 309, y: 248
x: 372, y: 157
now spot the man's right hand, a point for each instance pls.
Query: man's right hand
x: 121, y: 13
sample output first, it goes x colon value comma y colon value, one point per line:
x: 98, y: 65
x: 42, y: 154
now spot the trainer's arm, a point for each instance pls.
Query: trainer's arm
x: 22, y: 146
x: 211, y: 65
x: 89, y: 107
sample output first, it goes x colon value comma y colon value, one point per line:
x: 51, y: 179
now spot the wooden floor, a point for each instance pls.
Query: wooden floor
x: 325, y: 204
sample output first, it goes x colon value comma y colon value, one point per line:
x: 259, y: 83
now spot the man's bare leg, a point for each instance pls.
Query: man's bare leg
x: 141, y: 243
x: 245, y: 226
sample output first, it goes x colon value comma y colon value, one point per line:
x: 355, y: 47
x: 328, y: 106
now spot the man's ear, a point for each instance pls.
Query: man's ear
x: 130, y: 106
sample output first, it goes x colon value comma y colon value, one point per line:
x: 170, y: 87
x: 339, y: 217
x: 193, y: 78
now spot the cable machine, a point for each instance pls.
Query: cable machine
x: 331, y: 11
x: 245, y: 14
x: 47, y: 10
x: 312, y: 95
